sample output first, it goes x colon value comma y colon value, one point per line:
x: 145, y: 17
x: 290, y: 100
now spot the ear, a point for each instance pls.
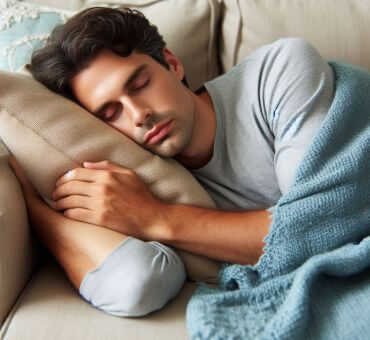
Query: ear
x: 174, y: 63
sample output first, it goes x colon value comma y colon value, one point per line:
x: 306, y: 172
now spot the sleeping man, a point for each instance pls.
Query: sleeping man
x: 242, y: 135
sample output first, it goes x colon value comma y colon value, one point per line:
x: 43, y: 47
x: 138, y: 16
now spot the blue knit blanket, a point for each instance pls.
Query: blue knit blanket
x: 313, y: 280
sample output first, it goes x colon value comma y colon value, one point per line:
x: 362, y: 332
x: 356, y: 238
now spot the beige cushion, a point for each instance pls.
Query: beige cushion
x: 16, y: 260
x: 187, y: 26
x: 339, y: 29
x: 49, y: 134
x: 50, y: 308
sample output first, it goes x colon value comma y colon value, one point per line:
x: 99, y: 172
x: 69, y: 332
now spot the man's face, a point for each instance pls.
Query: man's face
x: 140, y: 98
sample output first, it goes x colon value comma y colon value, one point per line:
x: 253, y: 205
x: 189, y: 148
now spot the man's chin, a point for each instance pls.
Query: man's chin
x: 165, y: 152
x: 168, y: 148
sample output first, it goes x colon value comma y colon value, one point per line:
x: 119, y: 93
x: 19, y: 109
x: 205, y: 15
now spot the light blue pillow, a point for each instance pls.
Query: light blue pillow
x: 24, y: 27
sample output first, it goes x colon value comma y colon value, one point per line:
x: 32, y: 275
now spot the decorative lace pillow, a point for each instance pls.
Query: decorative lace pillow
x: 50, y: 134
x: 24, y: 27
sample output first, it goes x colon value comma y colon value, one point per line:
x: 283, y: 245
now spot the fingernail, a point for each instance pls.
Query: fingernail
x: 68, y: 174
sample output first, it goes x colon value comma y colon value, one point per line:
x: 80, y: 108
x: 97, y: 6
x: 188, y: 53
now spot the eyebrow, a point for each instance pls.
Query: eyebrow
x: 127, y: 83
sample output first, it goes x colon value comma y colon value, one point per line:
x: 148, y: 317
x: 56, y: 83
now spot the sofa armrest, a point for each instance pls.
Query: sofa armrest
x: 17, y: 255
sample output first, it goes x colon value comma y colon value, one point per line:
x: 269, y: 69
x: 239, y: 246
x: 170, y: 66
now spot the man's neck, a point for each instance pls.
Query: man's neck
x: 200, y: 151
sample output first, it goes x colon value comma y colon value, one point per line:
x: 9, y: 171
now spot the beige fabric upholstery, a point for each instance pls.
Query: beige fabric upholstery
x: 49, y: 134
x: 182, y: 24
x: 16, y: 254
x: 51, y: 308
x: 338, y: 29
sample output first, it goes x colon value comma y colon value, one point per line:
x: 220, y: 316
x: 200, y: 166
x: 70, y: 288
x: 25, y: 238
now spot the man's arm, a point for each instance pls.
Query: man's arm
x: 108, y: 195
x: 78, y: 247
x: 235, y: 237
x: 115, y: 276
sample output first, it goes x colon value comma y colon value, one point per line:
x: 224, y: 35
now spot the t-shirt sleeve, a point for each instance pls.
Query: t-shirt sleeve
x: 297, y: 97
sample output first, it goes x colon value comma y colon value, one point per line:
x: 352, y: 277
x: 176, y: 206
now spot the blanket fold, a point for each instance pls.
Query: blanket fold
x: 319, y: 237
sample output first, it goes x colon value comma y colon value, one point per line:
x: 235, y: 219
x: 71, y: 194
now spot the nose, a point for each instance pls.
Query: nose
x: 139, y: 112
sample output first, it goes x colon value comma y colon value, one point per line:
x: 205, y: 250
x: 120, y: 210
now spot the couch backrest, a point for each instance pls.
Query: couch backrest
x: 339, y: 29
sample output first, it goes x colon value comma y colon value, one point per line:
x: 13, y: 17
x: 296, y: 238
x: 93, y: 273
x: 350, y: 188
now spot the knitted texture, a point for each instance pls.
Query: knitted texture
x: 318, y: 241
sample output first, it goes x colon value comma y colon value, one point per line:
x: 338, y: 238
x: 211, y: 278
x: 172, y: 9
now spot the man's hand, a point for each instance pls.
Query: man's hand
x: 111, y: 196
x: 114, y: 197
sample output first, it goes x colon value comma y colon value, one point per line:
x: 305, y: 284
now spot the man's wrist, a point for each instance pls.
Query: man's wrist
x: 162, y: 230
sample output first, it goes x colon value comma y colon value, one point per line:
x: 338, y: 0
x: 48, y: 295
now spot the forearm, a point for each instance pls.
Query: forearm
x: 235, y: 237
x: 125, y: 204
x: 79, y: 247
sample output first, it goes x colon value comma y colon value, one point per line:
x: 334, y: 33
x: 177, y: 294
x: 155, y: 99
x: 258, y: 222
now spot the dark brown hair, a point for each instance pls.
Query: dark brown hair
x: 71, y: 46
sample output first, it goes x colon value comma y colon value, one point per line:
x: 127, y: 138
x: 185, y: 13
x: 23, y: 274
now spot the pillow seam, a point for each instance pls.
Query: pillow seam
x: 39, y: 135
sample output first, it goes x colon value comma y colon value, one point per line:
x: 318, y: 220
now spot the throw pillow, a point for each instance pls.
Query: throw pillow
x: 49, y: 134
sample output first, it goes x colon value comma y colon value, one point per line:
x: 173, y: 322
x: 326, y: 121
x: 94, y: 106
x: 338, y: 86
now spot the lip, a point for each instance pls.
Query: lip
x: 158, y: 133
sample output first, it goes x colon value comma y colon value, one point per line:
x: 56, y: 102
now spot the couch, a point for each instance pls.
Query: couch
x: 37, y: 301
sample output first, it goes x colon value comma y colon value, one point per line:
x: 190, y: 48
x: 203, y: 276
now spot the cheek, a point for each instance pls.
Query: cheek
x: 122, y: 124
x: 166, y: 95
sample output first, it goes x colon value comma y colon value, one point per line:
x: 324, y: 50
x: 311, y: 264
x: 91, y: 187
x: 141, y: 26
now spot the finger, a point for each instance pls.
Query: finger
x: 73, y: 202
x: 75, y: 188
x: 80, y: 214
x: 105, y: 165
x: 78, y: 174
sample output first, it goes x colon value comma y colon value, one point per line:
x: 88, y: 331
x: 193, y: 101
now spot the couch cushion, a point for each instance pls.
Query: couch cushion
x: 338, y: 29
x: 50, y: 308
x: 50, y: 134
x: 16, y: 260
x: 189, y: 31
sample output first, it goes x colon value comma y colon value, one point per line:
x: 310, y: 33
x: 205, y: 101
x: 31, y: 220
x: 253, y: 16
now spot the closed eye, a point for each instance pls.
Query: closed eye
x: 140, y: 82
x: 112, y: 112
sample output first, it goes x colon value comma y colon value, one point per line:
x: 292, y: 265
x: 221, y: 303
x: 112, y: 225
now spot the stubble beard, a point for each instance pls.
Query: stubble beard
x: 185, y: 135
x: 179, y: 137
x: 176, y: 142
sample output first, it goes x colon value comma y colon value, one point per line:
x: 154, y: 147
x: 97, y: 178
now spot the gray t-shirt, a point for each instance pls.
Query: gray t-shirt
x: 268, y: 109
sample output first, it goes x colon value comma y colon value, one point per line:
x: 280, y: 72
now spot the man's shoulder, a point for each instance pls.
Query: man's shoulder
x: 282, y: 49
x: 289, y: 54
x: 296, y: 49
x: 274, y: 69
x: 292, y: 43
x: 286, y: 61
